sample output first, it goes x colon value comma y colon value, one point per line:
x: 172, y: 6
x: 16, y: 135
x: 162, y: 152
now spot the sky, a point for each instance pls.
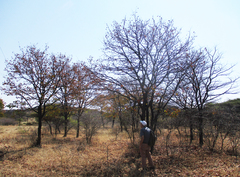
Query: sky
x: 77, y: 28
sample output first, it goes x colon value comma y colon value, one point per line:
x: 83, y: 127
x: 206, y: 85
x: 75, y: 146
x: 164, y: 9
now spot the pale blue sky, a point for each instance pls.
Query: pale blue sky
x: 77, y: 27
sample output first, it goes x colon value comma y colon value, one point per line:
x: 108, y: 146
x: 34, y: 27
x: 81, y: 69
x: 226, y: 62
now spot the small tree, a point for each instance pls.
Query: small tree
x: 64, y: 95
x: 184, y: 99
x: 206, y: 78
x: 83, y: 90
x: 91, y: 123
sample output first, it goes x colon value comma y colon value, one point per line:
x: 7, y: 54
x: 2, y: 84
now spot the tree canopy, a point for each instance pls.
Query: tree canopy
x: 34, y: 77
x: 146, y: 62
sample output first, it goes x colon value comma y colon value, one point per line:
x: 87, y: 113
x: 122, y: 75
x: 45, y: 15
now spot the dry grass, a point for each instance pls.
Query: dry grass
x: 106, y: 156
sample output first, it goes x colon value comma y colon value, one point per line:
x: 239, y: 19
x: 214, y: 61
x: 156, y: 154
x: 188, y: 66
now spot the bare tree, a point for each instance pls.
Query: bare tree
x: 83, y: 90
x: 33, y: 76
x: 65, y: 93
x: 207, y: 80
x: 143, y: 57
x: 184, y: 99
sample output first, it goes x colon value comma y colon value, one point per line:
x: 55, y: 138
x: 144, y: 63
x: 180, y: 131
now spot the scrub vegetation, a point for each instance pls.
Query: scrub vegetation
x: 109, y: 154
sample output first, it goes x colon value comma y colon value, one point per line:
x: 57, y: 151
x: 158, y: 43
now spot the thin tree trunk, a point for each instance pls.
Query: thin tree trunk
x: 38, y: 143
x: 50, y: 128
x: 121, y: 123
x: 200, y: 129
x: 191, y: 130
x: 78, y: 125
x: 113, y: 120
x: 65, y: 128
x: 102, y: 120
x: 65, y: 125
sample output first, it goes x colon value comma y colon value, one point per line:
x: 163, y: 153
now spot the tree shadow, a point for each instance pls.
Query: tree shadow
x: 13, y: 155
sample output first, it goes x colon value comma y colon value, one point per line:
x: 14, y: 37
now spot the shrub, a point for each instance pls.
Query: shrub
x: 8, y: 121
x: 91, y: 123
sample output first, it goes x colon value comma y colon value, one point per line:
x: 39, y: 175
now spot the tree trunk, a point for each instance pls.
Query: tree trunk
x: 65, y: 129
x: 147, y: 115
x: 113, y: 120
x: 200, y: 129
x: 78, y: 129
x: 102, y: 120
x: 65, y: 125
x: 144, y: 108
x: 121, y: 123
x: 191, y: 130
x: 56, y: 129
x: 38, y: 143
x: 50, y: 128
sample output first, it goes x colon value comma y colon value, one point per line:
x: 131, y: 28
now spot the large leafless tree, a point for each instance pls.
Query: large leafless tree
x: 144, y: 57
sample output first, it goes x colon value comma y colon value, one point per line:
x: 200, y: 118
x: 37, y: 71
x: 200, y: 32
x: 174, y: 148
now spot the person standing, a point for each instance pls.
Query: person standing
x: 144, y: 147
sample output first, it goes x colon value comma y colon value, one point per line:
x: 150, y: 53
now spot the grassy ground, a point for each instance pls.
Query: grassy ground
x: 106, y: 156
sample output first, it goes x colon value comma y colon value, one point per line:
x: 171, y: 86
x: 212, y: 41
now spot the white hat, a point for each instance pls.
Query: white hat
x: 143, y: 122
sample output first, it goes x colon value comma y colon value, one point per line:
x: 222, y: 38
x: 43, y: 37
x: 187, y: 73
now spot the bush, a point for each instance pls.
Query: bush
x: 91, y: 123
x: 8, y: 121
